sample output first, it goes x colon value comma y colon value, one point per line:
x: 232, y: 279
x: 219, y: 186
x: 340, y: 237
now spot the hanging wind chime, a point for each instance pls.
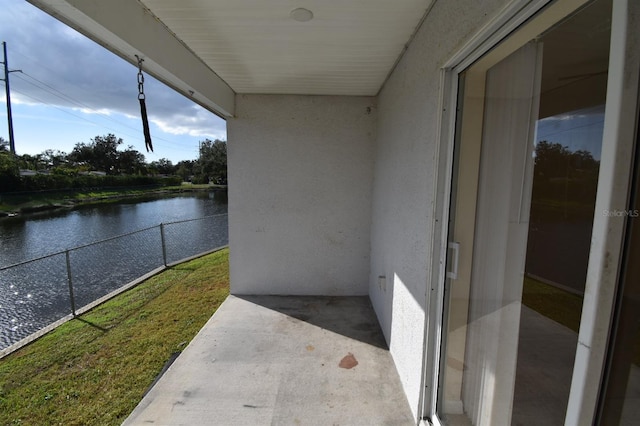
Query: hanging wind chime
x: 143, y: 107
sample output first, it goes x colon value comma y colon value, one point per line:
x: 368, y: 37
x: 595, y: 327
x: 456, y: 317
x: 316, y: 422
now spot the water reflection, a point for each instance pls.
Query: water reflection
x: 563, y: 200
x: 36, y: 294
x: 35, y: 235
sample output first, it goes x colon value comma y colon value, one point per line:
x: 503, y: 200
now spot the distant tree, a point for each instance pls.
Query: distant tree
x: 184, y: 169
x: 82, y: 154
x: 551, y: 160
x: 31, y: 162
x: 131, y: 162
x: 584, y: 160
x: 163, y: 166
x: 4, y: 145
x: 53, y: 159
x: 8, y: 164
x: 554, y: 160
x: 212, y: 163
x: 9, y: 170
x: 106, y: 151
x: 101, y: 153
x: 565, y: 182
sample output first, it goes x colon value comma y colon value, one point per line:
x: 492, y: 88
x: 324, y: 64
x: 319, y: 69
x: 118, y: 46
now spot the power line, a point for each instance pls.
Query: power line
x: 570, y: 129
x: 42, y: 101
x: 89, y: 121
x: 77, y: 102
x: 135, y: 138
x: 42, y: 85
x: 55, y: 92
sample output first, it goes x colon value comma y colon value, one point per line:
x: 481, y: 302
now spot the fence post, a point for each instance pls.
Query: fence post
x: 71, y: 298
x: 164, y: 247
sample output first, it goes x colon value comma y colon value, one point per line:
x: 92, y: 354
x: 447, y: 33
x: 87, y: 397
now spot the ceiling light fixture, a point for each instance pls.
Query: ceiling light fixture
x: 301, y: 14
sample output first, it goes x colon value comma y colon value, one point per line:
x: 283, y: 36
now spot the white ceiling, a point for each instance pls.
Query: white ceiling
x: 348, y: 48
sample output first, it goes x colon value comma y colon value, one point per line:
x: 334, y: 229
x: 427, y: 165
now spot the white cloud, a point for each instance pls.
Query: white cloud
x: 582, y: 114
x: 193, y: 121
x: 103, y: 111
x: 64, y: 69
x: 563, y: 117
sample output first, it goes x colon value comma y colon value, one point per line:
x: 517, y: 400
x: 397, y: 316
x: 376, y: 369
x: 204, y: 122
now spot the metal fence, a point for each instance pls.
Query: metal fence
x: 37, y: 294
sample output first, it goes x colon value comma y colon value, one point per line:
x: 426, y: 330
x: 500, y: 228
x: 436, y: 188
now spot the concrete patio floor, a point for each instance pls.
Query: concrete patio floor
x: 270, y: 360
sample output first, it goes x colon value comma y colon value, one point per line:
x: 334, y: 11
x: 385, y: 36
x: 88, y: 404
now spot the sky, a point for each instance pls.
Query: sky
x: 577, y: 130
x: 71, y: 90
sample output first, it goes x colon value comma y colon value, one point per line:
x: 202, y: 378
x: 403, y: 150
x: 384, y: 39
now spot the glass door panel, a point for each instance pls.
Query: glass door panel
x: 527, y: 155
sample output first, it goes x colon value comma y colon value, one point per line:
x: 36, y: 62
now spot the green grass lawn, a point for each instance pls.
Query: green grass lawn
x: 552, y: 302
x: 94, y: 370
x: 561, y: 306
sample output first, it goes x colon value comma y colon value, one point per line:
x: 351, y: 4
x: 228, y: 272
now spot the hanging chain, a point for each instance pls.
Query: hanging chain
x: 140, y: 78
x: 143, y: 108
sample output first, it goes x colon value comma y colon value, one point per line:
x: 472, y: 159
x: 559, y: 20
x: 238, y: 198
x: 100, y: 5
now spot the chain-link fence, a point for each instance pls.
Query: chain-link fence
x: 36, y: 294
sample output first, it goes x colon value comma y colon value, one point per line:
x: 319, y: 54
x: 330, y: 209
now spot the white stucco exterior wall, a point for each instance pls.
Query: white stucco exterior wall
x: 404, y: 181
x: 300, y: 179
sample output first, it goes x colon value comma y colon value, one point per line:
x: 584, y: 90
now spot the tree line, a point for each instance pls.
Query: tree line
x: 565, y: 183
x: 103, y: 154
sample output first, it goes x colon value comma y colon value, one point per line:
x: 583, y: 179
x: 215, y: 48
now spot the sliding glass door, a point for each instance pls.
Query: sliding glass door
x: 620, y: 393
x: 527, y: 154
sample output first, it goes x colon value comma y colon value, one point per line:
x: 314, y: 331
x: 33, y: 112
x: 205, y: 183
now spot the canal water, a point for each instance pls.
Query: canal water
x: 39, y: 234
x: 36, y: 294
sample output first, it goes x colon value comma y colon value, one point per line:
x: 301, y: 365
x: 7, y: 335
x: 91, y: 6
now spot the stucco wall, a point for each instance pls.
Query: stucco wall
x: 300, y: 180
x: 404, y: 181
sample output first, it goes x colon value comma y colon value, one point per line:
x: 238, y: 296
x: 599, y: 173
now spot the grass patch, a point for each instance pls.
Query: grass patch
x: 95, y: 369
x: 552, y: 302
x: 561, y: 306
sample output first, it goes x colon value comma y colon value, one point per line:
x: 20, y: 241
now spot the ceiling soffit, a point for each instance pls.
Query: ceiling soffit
x: 347, y: 48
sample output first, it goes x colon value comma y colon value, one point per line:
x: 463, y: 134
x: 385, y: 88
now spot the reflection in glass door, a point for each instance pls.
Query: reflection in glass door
x: 527, y: 160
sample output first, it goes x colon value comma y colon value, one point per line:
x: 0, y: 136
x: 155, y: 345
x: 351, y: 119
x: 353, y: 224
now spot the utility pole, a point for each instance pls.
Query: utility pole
x: 12, y: 144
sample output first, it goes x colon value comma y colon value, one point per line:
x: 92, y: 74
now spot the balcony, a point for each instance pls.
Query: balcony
x: 282, y: 360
